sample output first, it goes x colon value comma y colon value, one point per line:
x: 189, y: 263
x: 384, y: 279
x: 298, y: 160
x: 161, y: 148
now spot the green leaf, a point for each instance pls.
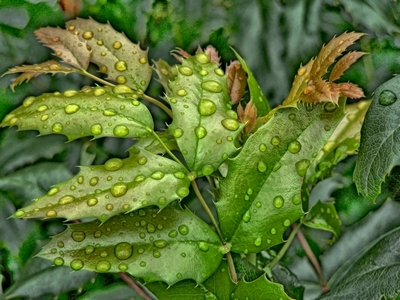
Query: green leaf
x: 122, y: 60
x: 364, y: 279
x: 204, y: 125
x: 118, y: 186
x: 169, y: 245
x: 380, y: 136
x: 166, y: 74
x: 116, y: 291
x: 67, y: 46
x: 153, y: 145
x: 291, y: 284
x: 256, y: 94
x: 324, y: 216
x: 94, y: 112
x: 258, y: 202
x: 258, y: 289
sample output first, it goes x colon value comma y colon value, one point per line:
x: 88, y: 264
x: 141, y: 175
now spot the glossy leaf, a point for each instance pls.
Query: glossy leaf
x: 324, y: 216
x: 258, y: 289
x: 259, y: 202
x: 122, y: 60
x: 31, y: 71
x: 380, y: 136
x: 256, y: 94
x: 204, y: 125
x: 67, y: 46
x: 117, y: 186
x: 94, y: 112
x: 169, y: 245
x: 365, y: 280
x: 153, y: 145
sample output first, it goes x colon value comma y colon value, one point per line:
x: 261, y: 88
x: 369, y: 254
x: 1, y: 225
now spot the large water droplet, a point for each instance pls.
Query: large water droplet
x: 173, y: 234
x: 51, y: 214
x: 117, y: 45
x: 119, y: 189
x: 96, y: 129
x: 273, y: 231
x: 330, y: 107
x: 103, y: 266
x: 302, y: 166
x: 276, y: 167
x: 57, y: 127
x: 261, y: 166
x: 123, y: 250
x: 156, y: 254
x: 78, y: 236
x: 66, y: 199
x: 278, y: 201
x: 91, y: 202
x: 230, y: 124
x: 120, y: 66
x: 122, y: 89
x: 71, y: 108
x: 296, y: 200
x: 58, y: 261
x: 179, y: 175
x: 246, y: 217
x: 183, y: 229
x: 202, y: 58
x: 207, y: 170
x: 70, y: 93
x: 387, y: 98
x: 76, y: 264
x: 94, y: 181
x: 206, y: 107
x: 204, y: 246
x: 211, y: 86
x: 185, y: 71
x: 286, y: 223
x: 275, y: 140
x: 121, y: 130
x: 87, y: 35
x: 178, y: 132
x: 200, y: 132
x: 257, y: 242
x: 52, y: 191
x: 263, y: 147
x: 294, y: 146
x: 182, y: 192
x: 19, y: 213
x: 151, y: 228
x: 89, y: 250
x: 160, y: 244
x: 123, y: 267
x: 113, y: 164
x: 157, y: 175
x: 28, y: 101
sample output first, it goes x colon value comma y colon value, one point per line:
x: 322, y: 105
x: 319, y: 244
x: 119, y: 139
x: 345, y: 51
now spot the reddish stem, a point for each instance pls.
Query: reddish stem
x: 134, y: 286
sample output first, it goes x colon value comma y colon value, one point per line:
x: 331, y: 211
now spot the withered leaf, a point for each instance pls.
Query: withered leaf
x: 248, y: 116
x: 343, y: 64
x: 237, y: 81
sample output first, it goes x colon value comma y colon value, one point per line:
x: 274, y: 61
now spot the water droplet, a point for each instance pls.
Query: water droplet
x: 76, y: 264
x: 183, y: 254
x: 78, y: 236
x: 263, y: 147
x: 286, y: 223
x: 202, y: 58
x: 57, y: 127
x: 387, y: 98
x: 203, y: 73
x: 123, y: 251
x: 203, y: 246
x: 121, y: 130
x: 122, y: 89
x: 292, y: 117
x: 44, y: 117
x: 157, y: 175
x: 278, y: 201
x: 179, y: 175
x: 109, y: 207
x: 249, y: 191
x: 230, y: 124
x: 28, y: 101
x: 182, y: 192
x: 277, y: 167
x: 294, y: 146
x: 142, y: 60
x: 246, y: 216
x: 162, y: 201
x: 109, y: 112
x: 150, y: 228
x: 58, y: 261
x: 219, y: 141
x: 207, y: 170
x: 142, y: 160
x: 99, y: 91
x: 103, y: 266
x: 117, y: 45
x: 330, y: 107
x: 302, y: 166
x: 19, y: 213
x: 183, y: 229
x: 257, y: 242
x: 87, y: 35
x: 156, y: 254
x: 60, y: 244
x: 142, y: 264
x: 160, y: 244
x: 275, y: 140
x: 211, y: 86
x: 181, y: 93
x: 91, y: 202
x: 200, y: 132
x: 66, y: 199
x: 173, y: 234
x: 179, y: 275
x: 177, y: 133
x: 51, y: 214
x: 113, y: 164
x: 261, y: 166
x: 185, y: 71
x: 119, y: 189
x: 94, y: 181
x: 219, y: 72
x: 327, y: 127
x: 89, y: 250
x: 70, y: 93
x: 120, y: 79
x: 120, y: 66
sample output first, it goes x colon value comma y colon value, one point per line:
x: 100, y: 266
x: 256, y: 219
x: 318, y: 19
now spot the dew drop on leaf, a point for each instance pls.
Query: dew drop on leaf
x: 117, y: 45
x: 109, y: 207
x: 28, y: 101
x: 120, y: 79
x: 183, y: 229
x: 278, y: 201
x: 123, y: 250
x: 263, y: 147
x: 44, y: 117
x: 120, y: 66
x: 185, y: 71
x: 296, y: 200
x: 230, y: 124
x: 113, y: 164
x: 286, y: 223
x: 203, y: 246
x: 294, y: 146
x: 87, y: 35
x: 156, y: 254
x: 179, y: 175
x: 122, y: 89
x: 57, y: 127
x: 261, y: 166
x: 142, y: 160
x: 157, y: 175
x: 151, y: 228
x: 246, y: 216
x: 202, y: 58
x: 257, y: 242
x: 181, y: 92
x: 119, y: 189
x: 302, y: 166
x: 173, y: 234
x: 66, y: 199
x: 89, y: 250
x: 275, y: 141
x: 273, y: 231
x: 292, y: 117
x: 58, y: 261
x: 179, y: 275
x: 182, y: 192
x: 162, y: 201
x: 76, y: 264
x: 160, y: 244
x: 178, y: 132
x: 142, y: 264
x: 19, y: 213
x: 51, y: 214
x: 97, y: 234
x: 203, y: 73
x: 93, y: 181
x: 121, y: 130
x: 219, y: 72
x: 330, y: 107
x: 70, y: 93
x: 60, y: 244
x: 200, y: 132
x: 103, y: 266
x: 207, y: 170
x: 78, y: 236
x: 99, y: 91
x: 387, y: 98
x: 91, y: 202
x: 327, y: 127
x: 211, y: 86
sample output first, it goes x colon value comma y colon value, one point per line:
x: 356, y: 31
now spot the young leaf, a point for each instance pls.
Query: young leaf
x: 120, y: 185
x: 28, y: 72
x: 364, y: 279
x: 122, y: 60
x: 259, y: 100
x: 260, y: 201
x: 67, y: 46
x: 169, y: 245
x: 258, y: 289
x: 236, y: 81
x: 380, y: 136
x: 343, y: 64
x: 94, y: 112
x: 204, y: 125
x: 324, y: 216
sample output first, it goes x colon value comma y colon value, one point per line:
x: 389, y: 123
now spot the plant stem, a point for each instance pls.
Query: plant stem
x: 312, y: 258
x: 134, y: 286
x: 282, y: 252
x: 90, y: 75
x: 157, y: 103
x: 166, y: 148
x: 231, y: 266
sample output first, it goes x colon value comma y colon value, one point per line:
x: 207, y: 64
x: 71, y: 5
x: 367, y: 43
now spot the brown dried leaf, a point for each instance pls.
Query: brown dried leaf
x: 166, y: 74
x: 299, y: 84
x: 343, y: 64
x: 331, y: 51
x: 237, y: 81
x: 350, y: 90
x: 248, y: 116
x: 30, y: 71
x: 66, y: 45
x: 212, y: 53
x: 180, y: 54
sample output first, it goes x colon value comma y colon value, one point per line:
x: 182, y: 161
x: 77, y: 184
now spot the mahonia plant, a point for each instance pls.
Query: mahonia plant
x: 261, y: 163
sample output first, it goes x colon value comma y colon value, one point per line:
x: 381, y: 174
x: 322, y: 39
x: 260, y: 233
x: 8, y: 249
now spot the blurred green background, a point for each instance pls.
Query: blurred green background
x: 274, y: 37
